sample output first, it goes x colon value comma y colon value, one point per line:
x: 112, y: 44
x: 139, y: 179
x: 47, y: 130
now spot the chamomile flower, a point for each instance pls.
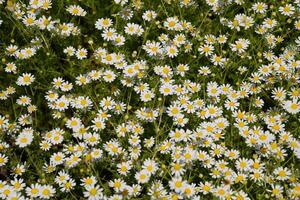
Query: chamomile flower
x: 240, y: 45
x: 3, y: 160
x: 172, y: 51
x: 109, y: 34
x: 150, y: 166
x: 109, y: 76
x: 93, y: 192
x: 33, y: 190
x: 45, y: 23
x: 206, y: 49
x: 149, y: 15
x: 76, y: 10
x: 57, y: 159
x: 88, y: 181
x: 292, y: 107
x: 24, y: 100
x: 46, y: 191
x: 25, y: 138
x: 260, y: 7
x: 103, y: 23
x: 142, y: 176
x: 11, y: 67
x: 124, y: 167
x: 25, y: 79
x: 134, y: 29
x: 282, y: 173
x: 171, y: 23
x: 177, y: 184
x: 70, y: 51
x: 287, y: 9
x: 81, y: 53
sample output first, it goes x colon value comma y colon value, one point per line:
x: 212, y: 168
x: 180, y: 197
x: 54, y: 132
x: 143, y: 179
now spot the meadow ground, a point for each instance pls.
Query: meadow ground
x: 149, y: 99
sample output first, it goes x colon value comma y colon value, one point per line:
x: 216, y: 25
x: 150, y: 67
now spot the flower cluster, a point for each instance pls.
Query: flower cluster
x: 132, y: 99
